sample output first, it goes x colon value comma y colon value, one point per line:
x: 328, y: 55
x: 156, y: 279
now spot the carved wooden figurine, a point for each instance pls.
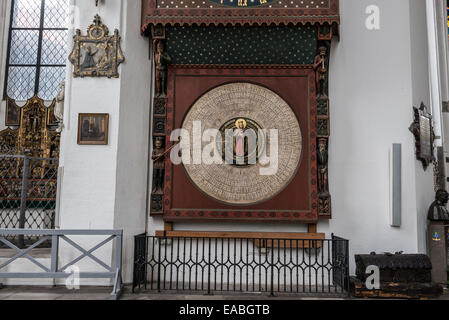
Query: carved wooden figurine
x: 324, y: 197
x: 320, y: 67
x: 158, y: 157
x: 323, y: 185
x: 162, y: 59
x: 59, y: 108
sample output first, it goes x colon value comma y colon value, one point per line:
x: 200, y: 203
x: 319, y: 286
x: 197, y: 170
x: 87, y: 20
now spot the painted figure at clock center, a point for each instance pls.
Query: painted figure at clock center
x: 240, y: 138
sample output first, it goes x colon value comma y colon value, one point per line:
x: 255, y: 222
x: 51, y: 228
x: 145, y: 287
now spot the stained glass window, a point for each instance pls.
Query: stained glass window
x: 37, y: 49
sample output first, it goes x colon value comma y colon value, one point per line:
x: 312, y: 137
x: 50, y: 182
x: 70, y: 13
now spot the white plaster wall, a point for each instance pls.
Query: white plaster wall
x: 376, y: 78
x: 88, y: 193
x: 102, y: 189
x: 421, y: 93
x: 373, y: 86
x: 134, y: 131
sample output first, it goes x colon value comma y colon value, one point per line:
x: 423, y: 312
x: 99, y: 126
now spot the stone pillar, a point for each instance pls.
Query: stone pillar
x: 105, y: 187
x: 4, y: 27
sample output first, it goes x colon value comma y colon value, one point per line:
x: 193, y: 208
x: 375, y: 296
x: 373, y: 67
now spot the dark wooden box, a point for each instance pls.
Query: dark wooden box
x: 402, y: 276
x: 397, y: 268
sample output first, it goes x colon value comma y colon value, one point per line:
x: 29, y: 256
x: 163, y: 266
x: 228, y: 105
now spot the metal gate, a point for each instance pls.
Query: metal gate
x: 27, y: 195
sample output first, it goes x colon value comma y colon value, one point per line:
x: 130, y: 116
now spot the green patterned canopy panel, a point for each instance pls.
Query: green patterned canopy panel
x: 241, y: 45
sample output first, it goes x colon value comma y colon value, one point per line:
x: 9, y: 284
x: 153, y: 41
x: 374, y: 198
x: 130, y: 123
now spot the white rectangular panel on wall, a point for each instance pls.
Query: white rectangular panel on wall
x: 395, y: 185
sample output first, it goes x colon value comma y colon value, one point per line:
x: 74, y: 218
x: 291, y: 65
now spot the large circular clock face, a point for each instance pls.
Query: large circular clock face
x: 242, y: 107
x: 242, y: 3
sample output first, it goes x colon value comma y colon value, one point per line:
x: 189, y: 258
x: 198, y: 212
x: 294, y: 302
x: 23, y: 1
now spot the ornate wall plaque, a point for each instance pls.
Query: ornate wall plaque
x: 423, y: 131
x: 98, y: 54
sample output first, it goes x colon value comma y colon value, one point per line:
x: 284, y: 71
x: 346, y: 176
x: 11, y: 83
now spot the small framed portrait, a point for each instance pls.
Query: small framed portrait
x: 93, y: 128
x: 12, y: 113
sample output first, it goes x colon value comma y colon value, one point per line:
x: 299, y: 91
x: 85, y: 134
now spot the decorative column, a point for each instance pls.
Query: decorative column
x: 161, y: 60
x: 321, y: 65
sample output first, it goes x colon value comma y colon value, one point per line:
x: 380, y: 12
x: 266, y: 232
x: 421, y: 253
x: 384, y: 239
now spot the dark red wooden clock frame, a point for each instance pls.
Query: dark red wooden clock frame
x: 280, y: 208
x: 326, y: 19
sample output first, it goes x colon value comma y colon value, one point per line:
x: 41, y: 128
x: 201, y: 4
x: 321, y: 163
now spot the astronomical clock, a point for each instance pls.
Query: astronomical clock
x: 256, y: 72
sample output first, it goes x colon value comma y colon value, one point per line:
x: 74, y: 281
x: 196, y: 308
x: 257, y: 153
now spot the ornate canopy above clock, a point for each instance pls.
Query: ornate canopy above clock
x: 240, y: 3
x: 253, y: 12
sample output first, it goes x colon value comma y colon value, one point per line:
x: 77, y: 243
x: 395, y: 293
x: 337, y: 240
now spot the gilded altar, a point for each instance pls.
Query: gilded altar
x: 35, y: 135
x: 29, y: 163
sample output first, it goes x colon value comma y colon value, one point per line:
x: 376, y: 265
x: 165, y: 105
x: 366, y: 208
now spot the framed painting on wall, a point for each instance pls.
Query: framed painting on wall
x: 12, y: 115
x: 93, y: 128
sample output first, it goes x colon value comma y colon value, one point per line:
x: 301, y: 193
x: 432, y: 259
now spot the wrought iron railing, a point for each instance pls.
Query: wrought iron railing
x: 27, y: 194
x: 241, y: 265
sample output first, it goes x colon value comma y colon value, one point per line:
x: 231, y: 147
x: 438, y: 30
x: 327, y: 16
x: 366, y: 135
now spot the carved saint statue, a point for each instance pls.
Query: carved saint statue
x: 158, y: 156
x: 322, y: 166
x: 320, y: 67
x: 239, y: 134
x: 324, y: 204
x: 59, y: 108
x: 104, y: 62
x: 438, y: 210
x: 161, y: 59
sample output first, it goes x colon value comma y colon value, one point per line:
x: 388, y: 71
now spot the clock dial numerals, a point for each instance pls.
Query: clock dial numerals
x: 242, y: 3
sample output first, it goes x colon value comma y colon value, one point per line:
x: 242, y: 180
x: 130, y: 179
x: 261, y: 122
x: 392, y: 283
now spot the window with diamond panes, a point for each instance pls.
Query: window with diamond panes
x: 37, y: 49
